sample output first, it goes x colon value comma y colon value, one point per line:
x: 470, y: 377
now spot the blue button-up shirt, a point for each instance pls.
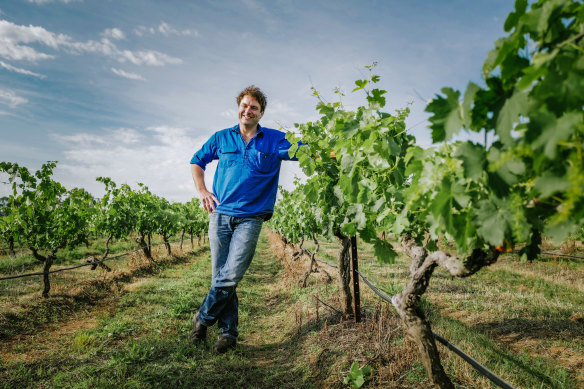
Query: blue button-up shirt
x: 246, y: 179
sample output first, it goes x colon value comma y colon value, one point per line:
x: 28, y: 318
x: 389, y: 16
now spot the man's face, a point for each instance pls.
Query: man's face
x: 249, y: 111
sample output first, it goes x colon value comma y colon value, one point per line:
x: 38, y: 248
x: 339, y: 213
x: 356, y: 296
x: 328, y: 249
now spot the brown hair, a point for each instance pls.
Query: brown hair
x: 256, y: 93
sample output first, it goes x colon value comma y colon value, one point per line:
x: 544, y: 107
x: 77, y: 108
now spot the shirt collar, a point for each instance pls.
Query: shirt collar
x: 260, y: 129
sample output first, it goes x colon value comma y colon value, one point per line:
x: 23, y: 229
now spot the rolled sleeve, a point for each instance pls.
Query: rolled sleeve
x: 207, y: 153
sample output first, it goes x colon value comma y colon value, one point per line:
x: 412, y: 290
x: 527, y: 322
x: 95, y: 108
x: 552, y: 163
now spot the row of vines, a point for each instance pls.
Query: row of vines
x: 524, y: 180
x: 43, y: 216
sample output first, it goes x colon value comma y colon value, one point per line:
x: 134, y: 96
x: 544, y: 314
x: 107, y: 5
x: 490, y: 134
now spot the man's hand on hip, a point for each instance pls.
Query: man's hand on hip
x: 208, y: 200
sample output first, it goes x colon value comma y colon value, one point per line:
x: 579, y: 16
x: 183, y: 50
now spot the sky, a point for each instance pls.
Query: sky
x: 131, y: 89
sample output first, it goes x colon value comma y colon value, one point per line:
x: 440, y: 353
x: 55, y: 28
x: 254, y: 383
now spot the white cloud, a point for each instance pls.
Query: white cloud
x: 10, y: 98
x: 229, y: 113
x: 131, y: 76
x: 114, y: 33
x: 148, y: 57
x: 280, y: 109
x: 126, y: 136
x: 165, y: 29
x: 12, y: 37
x: 109, y: 49
x: 157, y: 156
x: 80, y: 139
x: 19, y: 70
x: 40, y: 2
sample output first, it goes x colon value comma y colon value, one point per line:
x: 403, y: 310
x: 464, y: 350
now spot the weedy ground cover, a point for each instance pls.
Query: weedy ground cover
x: 291, y: 337
x: 524, y: 321
x: 294, y: 337
x: 23, y: 262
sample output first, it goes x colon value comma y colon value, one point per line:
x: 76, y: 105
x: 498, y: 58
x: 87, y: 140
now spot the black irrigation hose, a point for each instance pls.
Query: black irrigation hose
x: 480, y: 368
x: 561, y: 255
x: 84, y: 264
x: 373, y: 288
x: 548, y: 254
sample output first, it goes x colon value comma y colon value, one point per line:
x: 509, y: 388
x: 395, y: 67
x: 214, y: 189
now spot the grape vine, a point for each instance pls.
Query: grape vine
x: 488, y: 197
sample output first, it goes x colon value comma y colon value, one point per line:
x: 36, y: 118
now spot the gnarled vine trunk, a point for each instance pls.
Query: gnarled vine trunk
x: 145, y: 247
x: 100, y: 263
x: 344, y: 278
x: 48, y: 262
x: 167, y: 244
x: 407, y: 302
x: 11, y: 246
x: 313, y: 267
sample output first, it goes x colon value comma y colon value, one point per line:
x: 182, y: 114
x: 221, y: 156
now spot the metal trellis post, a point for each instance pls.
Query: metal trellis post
x: 356, y: 295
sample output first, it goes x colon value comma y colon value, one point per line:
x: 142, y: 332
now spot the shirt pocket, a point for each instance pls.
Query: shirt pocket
x: 265, y: 162
x: 228, y: 158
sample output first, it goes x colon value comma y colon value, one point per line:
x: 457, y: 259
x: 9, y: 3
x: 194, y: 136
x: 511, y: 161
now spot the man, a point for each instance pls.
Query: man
x: 243, y: 196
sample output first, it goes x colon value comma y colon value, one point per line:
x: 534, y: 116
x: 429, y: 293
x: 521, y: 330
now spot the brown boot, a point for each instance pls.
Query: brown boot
x: 199, y: 332
x: 224, y: 344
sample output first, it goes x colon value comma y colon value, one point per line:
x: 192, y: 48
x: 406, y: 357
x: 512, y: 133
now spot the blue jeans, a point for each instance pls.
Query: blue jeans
x: 233, y: 241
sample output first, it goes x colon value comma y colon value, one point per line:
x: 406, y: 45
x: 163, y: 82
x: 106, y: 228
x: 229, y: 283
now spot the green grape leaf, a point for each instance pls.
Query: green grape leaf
x: 376, y: 98
x: 559, y: 231
x: 349, y: 229
x: 441, y: 205
x: 465, y: 231
x: 554, y: 131
x: 347, y: 162
x: 384, y: 251
x: 292, y: 150
x: 446, y: 120
x: 469, y: 95
x: 513, y: 108
x: 473, y: 158
x: 378, y: 161
x: 549, y: 184
x: 493, y: 220
x: 360, y: 84
x: 400, y: 224
x: 513, y: 17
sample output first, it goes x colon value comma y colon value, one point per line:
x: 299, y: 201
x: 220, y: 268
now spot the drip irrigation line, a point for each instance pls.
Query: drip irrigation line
x: 374, y: 289
x: 561, y: 255
x: 480, y: 368
x: 328, y: 306
x: 84, y: 264
x: 473, y: 362
x: 549, y: 254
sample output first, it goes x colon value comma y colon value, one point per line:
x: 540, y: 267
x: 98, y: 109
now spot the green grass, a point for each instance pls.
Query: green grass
x: 143, y: 342
x: 508, y: 318
x: 26, y: 263
x: 23, y: 260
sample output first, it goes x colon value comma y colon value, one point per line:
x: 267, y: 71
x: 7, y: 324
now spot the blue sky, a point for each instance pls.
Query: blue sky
x: 131, y: 89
